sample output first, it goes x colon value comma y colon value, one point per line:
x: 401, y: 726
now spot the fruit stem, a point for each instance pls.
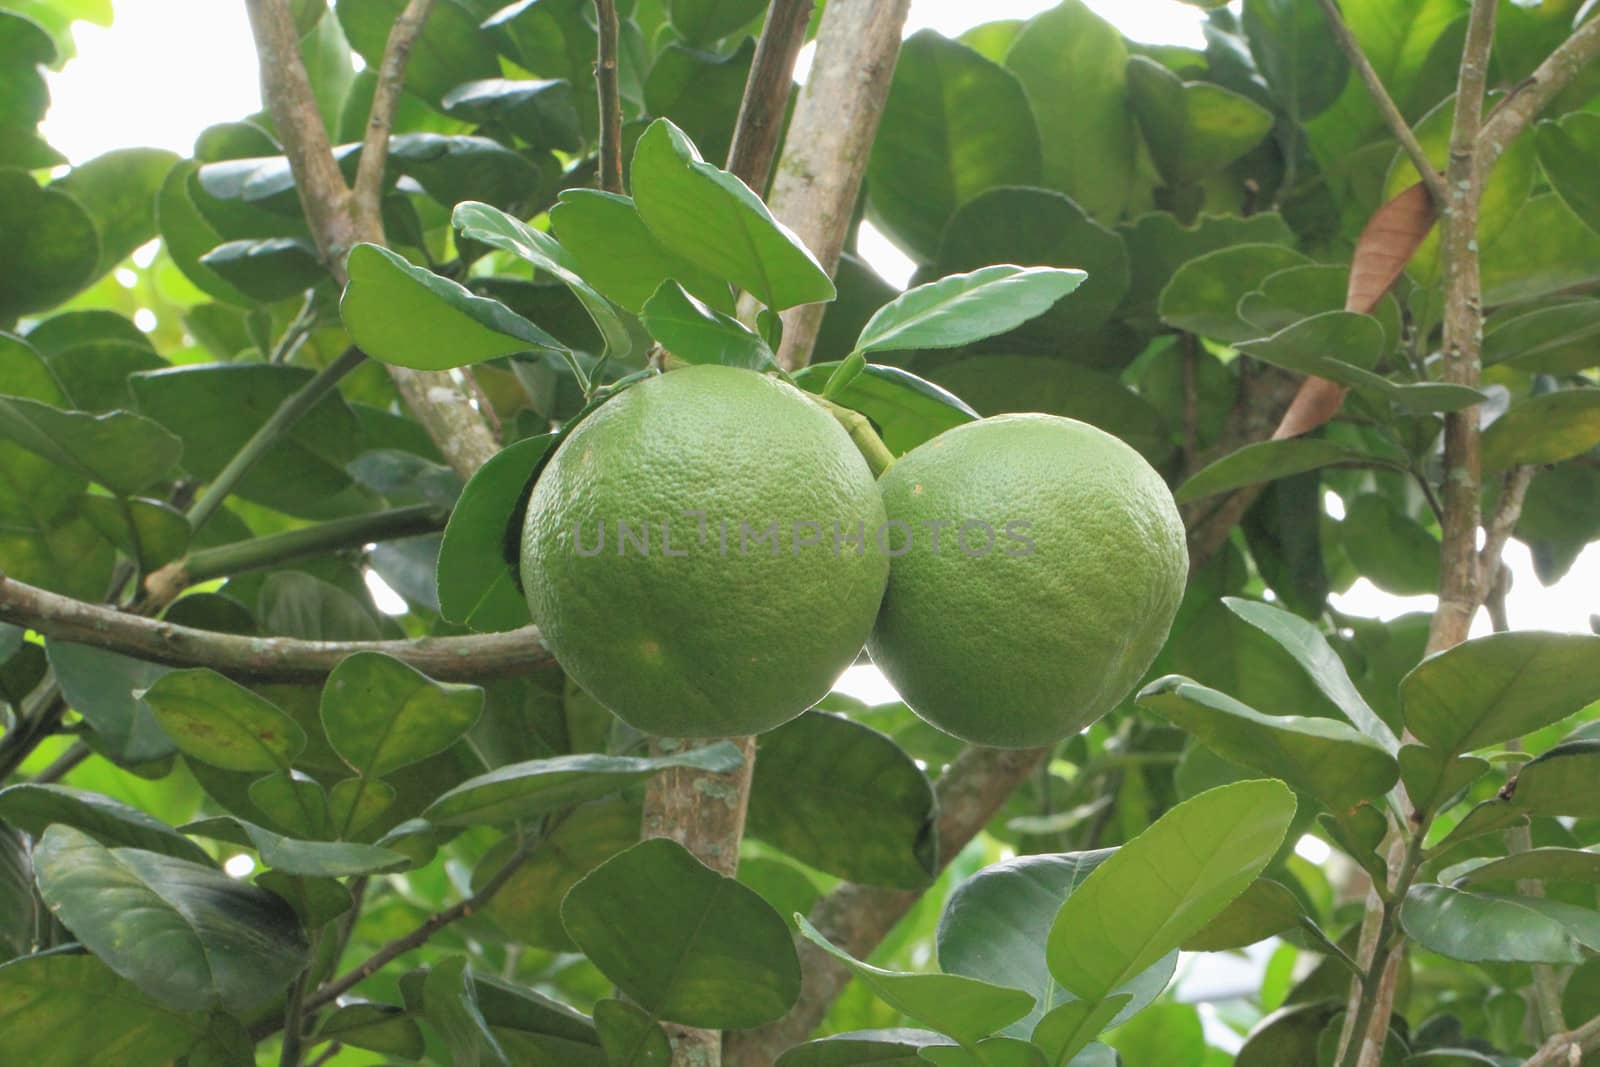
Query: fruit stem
x: 866, y: 439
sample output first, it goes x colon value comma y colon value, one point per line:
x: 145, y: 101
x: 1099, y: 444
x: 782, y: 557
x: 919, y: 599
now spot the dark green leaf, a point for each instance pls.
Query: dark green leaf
x: 1166, y: 884
x: 32, y: 808
x: 1288, y: 1035
x: 450, y: 1003
x: 536, y: 787
x: 1267, y: 461
x: 1495, y: 688
x: 995, y: 922
x: 1158, y: 244
x: 381, y: 715
x: 187, y: 234
x: 992, y: 1052
x: 1561, y: 781
x: 1543, y: 864
x: 1264, y: 909
x: 411, y: 317
x: 1193, y: 129
x: 704, y: 21
x: 1297, y: 52
x: 1323, y: 757
x: 845, y: 799
x: 100, y: 686
x: 712, y: 219
x: 1388, y: 546
x: 1544, y: 429
x: 223, y: 943
x: 1433, y: 778
x: 123, y: 452
x: 267, y: 269
x: 630, y: 1036
x: 378, y: 1027
x: 967, y: 1009
x: 64, y: 1009
x: 540, y: 111
x: 907, y: 410
x: 695, y: 333
x: 685, y: 943
x: 1073, y: 67
x: 312, y: 859
x: 964, y: 308
x: 955, y: 124
x: 619, y: 255
x: 863, y: 1048
x: 455, y: 168
x: 450, y: 50
x: 477, y: 586
x: 1479, y: 928
x: 1203, y: 294
x: 118, y: 190
x: 52, y: 248
x: 21, y: 917
x: 700, y: 91
x: 1517, y: 335
x: 1569, y: 151
x: 222, y: 723
x: 300, y: 605
x: 1515, y: 268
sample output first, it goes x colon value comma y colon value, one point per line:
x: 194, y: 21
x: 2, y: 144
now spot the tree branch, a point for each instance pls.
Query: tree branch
x: 262, y: 659
x: 605, y: 80
x: 830, y: 140
x: 1523, y: 104
x: 766, y: 93
x: 1566, y: 1050
x: 1513, y: 492
x: 367, y: 189
x: 1396, y: 122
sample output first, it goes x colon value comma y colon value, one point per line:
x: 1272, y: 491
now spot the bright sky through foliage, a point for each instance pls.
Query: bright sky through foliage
x: 144, y: 81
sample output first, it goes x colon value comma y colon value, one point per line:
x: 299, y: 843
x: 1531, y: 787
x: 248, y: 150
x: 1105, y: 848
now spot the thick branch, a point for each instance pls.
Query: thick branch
x: 262, y: 659
x: 1380, y: 96
x: 367, y: 189
x: 830, y: 139
x: 766, y: 93
x: 857, y: 917
x: 605, y: 80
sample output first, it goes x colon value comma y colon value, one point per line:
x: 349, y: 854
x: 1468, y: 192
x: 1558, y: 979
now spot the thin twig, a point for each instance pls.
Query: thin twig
x: 1513, y: 492
x: 1522, y: 105
x: 1566, y: 1050
x: 75, y: 754
x: 766, y: 92
x: 1386, y: 107
x: 606, y: 85
x: 476, y: 658
x: 367, y: 189
x: 294, y: 1015
x: 333, y: 990
x: 277, y: 424
x: 327, y: 1054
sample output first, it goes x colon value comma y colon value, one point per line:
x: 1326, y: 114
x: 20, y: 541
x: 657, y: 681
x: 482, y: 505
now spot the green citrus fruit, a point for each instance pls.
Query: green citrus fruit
x: 699, y: 553
x: 1038, y: 564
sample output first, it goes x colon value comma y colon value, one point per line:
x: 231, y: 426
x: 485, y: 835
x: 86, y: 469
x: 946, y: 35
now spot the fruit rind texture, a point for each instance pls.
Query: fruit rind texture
x: 1050, y: 629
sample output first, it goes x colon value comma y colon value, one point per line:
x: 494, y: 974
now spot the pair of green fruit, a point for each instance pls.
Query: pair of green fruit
x: 707, y: 552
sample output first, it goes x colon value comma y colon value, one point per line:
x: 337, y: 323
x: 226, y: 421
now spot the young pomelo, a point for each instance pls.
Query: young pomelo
x: 699, y: 553
x: 1036, y: 575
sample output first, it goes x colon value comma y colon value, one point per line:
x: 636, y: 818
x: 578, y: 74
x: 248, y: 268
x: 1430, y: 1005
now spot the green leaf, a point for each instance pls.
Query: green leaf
x: 297, y: 604
x: 1264, y: 909
x: 1267, y: 461
x: 450, y: 1003
x: 964, y: 308
x: 224, y: 944
x: 618, y: 255
x: 1321, y: 663
x: 695, y: 333
x: 491, y: 226
x: 863, y: 1048
x: 1518, y: 335
x: 523, y: 790
x: 1166, y: 884
x: 845, y: 799
x: 33, y: 807
x: 1203, y: 294
x: 630, y: 1036
x: 411, y: 317
x: 992, y: 1052
x: 1158, y: 244
x: 967, y: 1009
x: 1480, y: 928
x: 187, y: 234
x: 528, y: 907
x: 123, y: 452
x: 149, y: 531
x: 118, y: 190
x: 712, y: 219
x: 52, y: 248
x: 1388, y: 546
x: 700, y: 91
x: 1298, y: 54
x: 1068, y: 1029
x: 381, y: 715
x: 310, y: 859
x: 94, y: 373
x: 378, y: 1027
x: 1288, y: 1035
x: 1542, y: 864
x: 1193, y: 129
x: 455, y: 168
x: 222, y: 723
x: 1323, y: 757
x: 1433, y: 779
x: 20, y: 914
x: 216, y: 408
x: 47, y: 1000
x: 1569, y: 152
x: 450, y: 50
x: 955, y: 124
x: 703, y: 21
x: 1544, y: 429
x: 540, y: 111
x: 100, y: 686
x: 683, y: 942
x: 267, y: 269
x: 906, y: 409
x: 1073, y: 67
x: 1561, y: 781
x: 1515, y: 268
x: 1495, y: 688
x: 477, y: 584
x: 995, y: 922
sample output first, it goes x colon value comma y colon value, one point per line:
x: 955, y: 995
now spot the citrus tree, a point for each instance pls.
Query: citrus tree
x: 1197, y: 338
